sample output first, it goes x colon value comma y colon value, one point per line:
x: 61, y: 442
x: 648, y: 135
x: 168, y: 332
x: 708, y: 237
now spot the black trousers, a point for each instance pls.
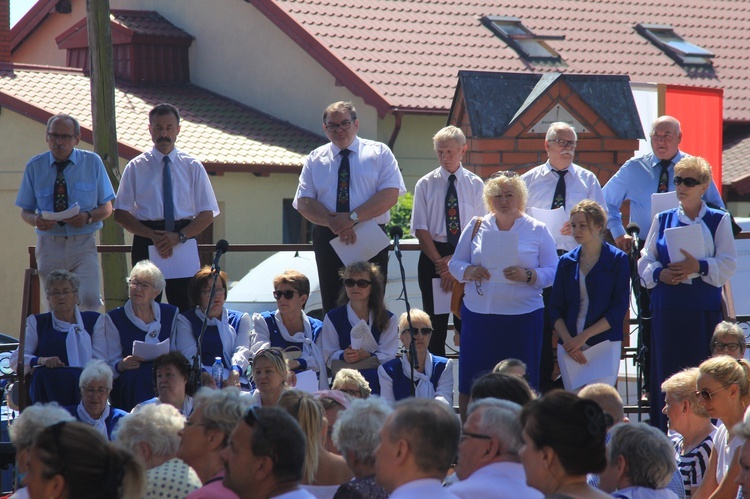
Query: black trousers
x: 549, y: 351
x: 426, y: 272
x: 329, y: 264
x: 645, y: 332
x: 177, y: 294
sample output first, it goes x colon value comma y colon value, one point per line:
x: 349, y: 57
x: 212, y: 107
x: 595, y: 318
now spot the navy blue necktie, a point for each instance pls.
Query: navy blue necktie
x: 452, y: 215
x: 61, y: 188
x: 558, y: 199
x: 664, y: 176
x: 168, y: 199
x: 342, y: 193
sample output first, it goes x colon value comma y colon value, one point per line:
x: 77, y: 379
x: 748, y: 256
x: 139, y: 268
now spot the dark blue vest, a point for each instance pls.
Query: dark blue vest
x: 343, y: 328
x: 211, y: 346
x: 129, y: 332
x: 277, y: 340
x: 51, y: 342
x: 401, y: 381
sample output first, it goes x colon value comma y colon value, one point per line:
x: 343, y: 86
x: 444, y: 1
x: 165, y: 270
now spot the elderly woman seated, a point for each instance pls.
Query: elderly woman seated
x: 26, y: 427
x: 94, y: 408
x: 640, y: 463
x: 170, y: 377
x: 152, y: 435
x: 357, y: 434
x: 351, y: 382
x: 728, y: 339
x: 59, y: 343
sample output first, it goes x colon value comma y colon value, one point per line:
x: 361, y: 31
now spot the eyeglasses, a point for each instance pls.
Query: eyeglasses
x: 661, y: 138
x: 478, y: 285
x: 54, y: 137
x: 719, y: 346
x: 251, y: 417
x: 138, y: 284
x: 98, y: 392
x: 288, y: 294
x: 468, y: 434
x: 57, y: 294
x: 271, y: 351
x: 344, y: 125
x: 706, y: 396
x: 565, y: 143
x: 425, y: 331
x: 507, y: 174
x: 351, y: 392
x: 218, y: 291
x: 689, y: 182
x: 360, y: 283
x: 189, y: 423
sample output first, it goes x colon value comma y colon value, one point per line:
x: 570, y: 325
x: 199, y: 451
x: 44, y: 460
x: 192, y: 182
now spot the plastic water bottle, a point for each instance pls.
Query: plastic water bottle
x: 217, y: 371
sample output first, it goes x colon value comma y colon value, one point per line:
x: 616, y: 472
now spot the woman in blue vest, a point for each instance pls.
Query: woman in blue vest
x: 362, y: 310
x: 589, y: 299
x: 433, y: 377
x: 60, y: 342
x: 143, y: 320
x: 289, y: 328
x: 94, y: 408
x: 685, y: 295
x: 227, y: 332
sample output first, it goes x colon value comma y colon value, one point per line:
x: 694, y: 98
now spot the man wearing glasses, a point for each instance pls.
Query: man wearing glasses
x: 636, y: 180
x: 342, y: 183
x: 558, y: 183
x: 55, y: 182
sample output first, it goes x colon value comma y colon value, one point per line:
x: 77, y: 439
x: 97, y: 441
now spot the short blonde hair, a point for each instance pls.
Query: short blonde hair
x: 681, y: 386
x: 607, y: 397
x: 694, y: 163
x: 494, y: 187
x: 345, y: 376
x: 417, y: 315
x: 449, y: 133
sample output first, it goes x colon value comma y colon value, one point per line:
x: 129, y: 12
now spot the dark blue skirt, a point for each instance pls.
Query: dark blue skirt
x: 58, y: 384
x: 486, y: 339
x: 133, y: 387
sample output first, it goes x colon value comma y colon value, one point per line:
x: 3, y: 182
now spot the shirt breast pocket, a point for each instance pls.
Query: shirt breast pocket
x: 84, y: 193
x: 44, y: 197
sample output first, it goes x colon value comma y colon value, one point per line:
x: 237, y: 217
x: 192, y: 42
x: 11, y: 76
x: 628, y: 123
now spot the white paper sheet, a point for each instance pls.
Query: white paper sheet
x: 554, y: 220
x: 499, y: 251
x: 370, y: 240
x: 62, y: 215
x: 601, y: 360
x: 663, y: 201
x: 150, y: 351
x: 307, y: 381
x: 184, y: 261
x: 362, y: 338
x: 440, y: 300
x: 690, y: 238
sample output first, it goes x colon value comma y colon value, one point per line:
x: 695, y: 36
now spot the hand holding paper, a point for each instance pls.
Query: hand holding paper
x: 362, y: 338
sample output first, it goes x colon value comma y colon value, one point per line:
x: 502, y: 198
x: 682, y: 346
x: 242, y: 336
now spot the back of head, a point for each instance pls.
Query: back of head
x: 309, y: 413
x: 502, y: 386
x: 221, y: 409
x: 574, y: 428
x: 91, y: 466
x: 357, y: 429
x: 277, y: 435
x: 157, y: 425
x: 608, y: 399
x: 33, y: 420
x: 500, y: 419
x: 432, y: 430
x: 647, y: 451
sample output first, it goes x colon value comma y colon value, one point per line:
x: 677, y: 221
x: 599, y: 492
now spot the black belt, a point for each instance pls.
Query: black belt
x: 159, y: 224
x: 444, y: 246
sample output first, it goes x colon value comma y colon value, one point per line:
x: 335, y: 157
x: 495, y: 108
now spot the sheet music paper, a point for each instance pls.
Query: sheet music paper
x: 184, y: 261
x: 663, y: 201
x: 499, y: 251
x: 600, y: 360
x: 440, y: 299
x: 554, y: 220
x: 370, y: 241
x: 150, y: 351
x: 62, y: 215
x: 688, y: 237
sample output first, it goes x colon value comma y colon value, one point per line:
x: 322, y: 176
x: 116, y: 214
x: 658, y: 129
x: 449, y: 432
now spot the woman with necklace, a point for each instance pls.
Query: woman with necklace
x: 589, y: 297
x: 686, y: 293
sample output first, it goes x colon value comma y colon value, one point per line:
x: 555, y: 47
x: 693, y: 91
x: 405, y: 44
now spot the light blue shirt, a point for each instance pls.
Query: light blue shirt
x: 87, y: 181
x: 637, y: 180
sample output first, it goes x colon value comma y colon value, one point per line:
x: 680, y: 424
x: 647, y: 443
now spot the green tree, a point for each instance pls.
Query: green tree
x: 401, y: 214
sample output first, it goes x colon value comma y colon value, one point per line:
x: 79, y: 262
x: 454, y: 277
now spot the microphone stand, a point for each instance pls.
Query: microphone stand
x: 641, y: 349
x: 197, y: 368
x: 413, y: 360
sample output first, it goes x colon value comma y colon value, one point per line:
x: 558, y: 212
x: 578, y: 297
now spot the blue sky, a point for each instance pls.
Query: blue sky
x: 18, y: 8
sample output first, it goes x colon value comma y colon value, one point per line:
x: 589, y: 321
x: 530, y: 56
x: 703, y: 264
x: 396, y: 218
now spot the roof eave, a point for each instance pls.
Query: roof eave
x: 30, y: 21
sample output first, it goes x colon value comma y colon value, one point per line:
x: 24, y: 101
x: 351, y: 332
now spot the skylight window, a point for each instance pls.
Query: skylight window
x: 521, y: 39
x: 683, y: 52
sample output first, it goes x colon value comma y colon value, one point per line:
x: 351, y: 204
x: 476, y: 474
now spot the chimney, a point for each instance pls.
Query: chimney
x: 4, y: 30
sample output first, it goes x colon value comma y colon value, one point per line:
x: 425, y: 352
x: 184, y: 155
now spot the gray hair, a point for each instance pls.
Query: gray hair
x: 449, y: 133
x: 500, y: 419
x: 647, y: 451
x: 61, y: 275
x: 155, y: 424
x: 357, y: 429
x: 76, y: 125
x: 25, y: 428
x: 147, y: 269
x: 558, y: 127
x: 222, y: 409
x: 96, y: 370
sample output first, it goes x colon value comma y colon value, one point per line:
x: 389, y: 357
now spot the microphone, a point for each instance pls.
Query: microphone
x: 396, y: 234
x: 634, y: 231
x: 221, y: 247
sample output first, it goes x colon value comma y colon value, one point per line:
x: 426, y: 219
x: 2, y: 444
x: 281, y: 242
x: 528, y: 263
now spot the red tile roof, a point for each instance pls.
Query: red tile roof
x: 406, y: 54
x: 224, y: 135
x: 146, y: 22
x: 735, y: 158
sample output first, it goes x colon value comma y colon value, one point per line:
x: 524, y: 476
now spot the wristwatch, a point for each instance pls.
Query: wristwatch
x: 353, y: 217
x: 183, y: 237
x: 90, y: 219
x: 529, y: 275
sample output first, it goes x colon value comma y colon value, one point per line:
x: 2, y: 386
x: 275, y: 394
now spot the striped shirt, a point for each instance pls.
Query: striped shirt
x: 693, y: 463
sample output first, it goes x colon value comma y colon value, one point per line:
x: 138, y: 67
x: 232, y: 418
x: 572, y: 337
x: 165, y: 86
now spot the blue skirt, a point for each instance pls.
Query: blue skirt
x: 486, y: 339
x: 59, y: 384
x: 133, y: 387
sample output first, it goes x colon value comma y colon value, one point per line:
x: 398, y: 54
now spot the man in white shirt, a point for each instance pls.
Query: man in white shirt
x: 418, y: 443
x: 488, y: 461
x: 558, y: 183
x: 342, y: 183
x: 445, y: 200
x: 165, y: 197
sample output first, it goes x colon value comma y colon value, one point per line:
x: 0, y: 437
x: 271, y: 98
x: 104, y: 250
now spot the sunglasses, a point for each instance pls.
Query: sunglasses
x: 360, y: 283
x: 425, y: 331
x: 467, y: 434
x: 706, y: 396
x: 507, y: 174
x: 251, y: 417
x: 288, y: 294
x: 719, y: 346
x: 689, y: 182
x: 272, y: 351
